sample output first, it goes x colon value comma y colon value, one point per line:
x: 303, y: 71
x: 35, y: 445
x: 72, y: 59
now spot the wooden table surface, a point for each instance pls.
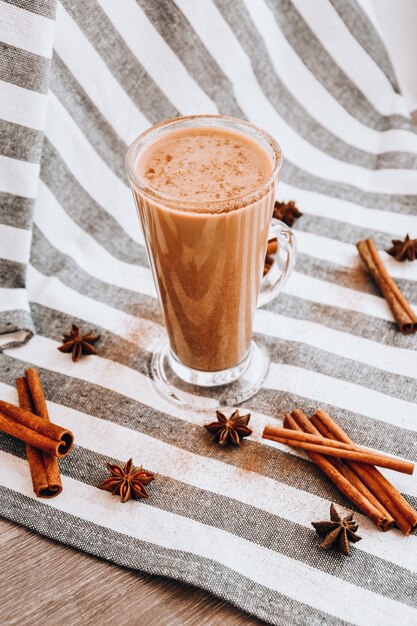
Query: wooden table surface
x: 47, y: 583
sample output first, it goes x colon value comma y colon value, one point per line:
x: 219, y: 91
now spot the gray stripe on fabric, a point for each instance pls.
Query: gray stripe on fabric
x: 246, y: 521
x: 292, y: 111
x: 342, y: 368
x: 83, y: 209
x: 50, y: 262
x: 125, y: 67
x: 344, y: 320
x: 15, y: 210
x: 187, y: 567
x: 356, y: 278
x: 53, y: 324
x: 266, y: 461
x: 343, y: 231
x: 20, y: 142
x: 366, y: 35
x: 400, y: 203
x: 88, y: 397
x: 364, y: 431
x: 12, y: 274
x: 182, y: 39
x: 12, y: 322
x: 47, y: 8
x: 23, y: 68
x: 114, y: 407
x: 88, y: 118
x: 293, y: 175
x: 390, y: 160
x: 332, y: 77
x: 340, y: 188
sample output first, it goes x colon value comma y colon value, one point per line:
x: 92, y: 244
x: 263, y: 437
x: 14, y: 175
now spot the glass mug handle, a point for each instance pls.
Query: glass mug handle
x: 283, y: 263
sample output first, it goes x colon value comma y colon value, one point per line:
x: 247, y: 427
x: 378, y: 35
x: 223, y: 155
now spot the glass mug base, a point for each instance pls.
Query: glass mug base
x: 208, y: 390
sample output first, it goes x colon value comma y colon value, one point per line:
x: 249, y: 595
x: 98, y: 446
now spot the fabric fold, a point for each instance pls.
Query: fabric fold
x: 26, y: 40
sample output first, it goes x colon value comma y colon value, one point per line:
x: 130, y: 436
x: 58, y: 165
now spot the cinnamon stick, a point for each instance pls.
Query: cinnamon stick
x: 372, y: 478
x: 403, y: 313
x: 271, y: 250
x: 331, y: 447
x: 404, y: 514
x: 344, y: 468
x: 272, y: 247
x: 268, y: 264
x: 35, y: 430
x: 299, y: 421
x: 288, y: 433
x: 44, y: 468
x: 350, y: 475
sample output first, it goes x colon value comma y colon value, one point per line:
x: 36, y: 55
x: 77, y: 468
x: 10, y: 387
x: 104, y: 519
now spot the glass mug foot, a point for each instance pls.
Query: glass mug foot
x: 209, y: 390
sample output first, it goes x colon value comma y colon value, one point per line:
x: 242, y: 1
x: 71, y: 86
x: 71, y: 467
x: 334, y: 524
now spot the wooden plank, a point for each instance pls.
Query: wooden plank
x: 44, y: 582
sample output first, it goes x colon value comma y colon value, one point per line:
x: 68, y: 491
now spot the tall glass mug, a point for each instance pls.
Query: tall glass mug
x: 204, y: 188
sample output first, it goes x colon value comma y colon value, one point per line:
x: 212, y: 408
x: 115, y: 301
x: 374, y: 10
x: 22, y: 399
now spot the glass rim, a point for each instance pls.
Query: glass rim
x: 203, y: 206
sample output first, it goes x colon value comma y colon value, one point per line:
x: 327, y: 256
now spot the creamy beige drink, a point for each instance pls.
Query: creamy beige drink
x: 206, y: 220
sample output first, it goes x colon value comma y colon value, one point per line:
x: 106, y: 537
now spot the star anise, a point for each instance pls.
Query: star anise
x: 403, y: 250
x: 287, y: 212
x: 78, y: 344
x: 338, y: 531
x: 127, y: 482
x: 229, y: 429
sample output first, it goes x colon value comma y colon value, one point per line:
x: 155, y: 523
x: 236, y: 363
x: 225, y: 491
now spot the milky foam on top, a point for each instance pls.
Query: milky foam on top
x: 204, y: 165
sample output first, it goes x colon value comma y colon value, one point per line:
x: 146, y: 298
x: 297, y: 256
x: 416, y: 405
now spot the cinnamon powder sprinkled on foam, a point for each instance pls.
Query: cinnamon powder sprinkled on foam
x: 205, y: 164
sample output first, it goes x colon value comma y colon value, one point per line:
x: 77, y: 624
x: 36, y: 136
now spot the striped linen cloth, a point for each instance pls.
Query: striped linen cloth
x: 78, y: 82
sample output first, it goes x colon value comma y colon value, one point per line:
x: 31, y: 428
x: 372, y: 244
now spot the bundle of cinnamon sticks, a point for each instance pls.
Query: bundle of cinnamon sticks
x: 45, y: 441
x: 356, y: 475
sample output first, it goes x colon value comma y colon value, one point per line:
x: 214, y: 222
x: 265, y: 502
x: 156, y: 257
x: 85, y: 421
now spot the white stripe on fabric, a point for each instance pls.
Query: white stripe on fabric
x: 342, y: 599
x: 117, y: 377
x: 222, y: 44
x: 349, y: 55
x: 262, y: 492
x: 52, y: 293
x: 346, y: 254
x: 322, y: 292
x: 315, y: 203
x: 160, y: 62
x: 26, y: 30
x: 22, y: 106
x: 13, y: 299
x: 19, y: 178
x: 15, y: 243
x: 83, y: 61
x: 95, y: 176
x: 314, y: 97
x: 132, y: 384
x: 67, y: 237
x: 342, y: 394
x: 387, y: 358
x: 405, y: 484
